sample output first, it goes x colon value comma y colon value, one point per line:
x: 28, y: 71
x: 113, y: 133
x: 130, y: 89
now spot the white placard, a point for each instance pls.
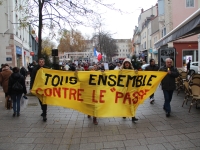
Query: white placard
x: 106, y: 66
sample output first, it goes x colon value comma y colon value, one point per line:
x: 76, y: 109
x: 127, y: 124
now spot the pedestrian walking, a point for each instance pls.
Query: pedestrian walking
x: 4, y: 78
x: 80, y: 68
x: 16, y: 87
x: 168, y: 84
x: 152, y: 67
x: 128, y: 65
x: 23, y: 72
x: 41, y: 64
x: 95, y: 68
x: 188, y: 67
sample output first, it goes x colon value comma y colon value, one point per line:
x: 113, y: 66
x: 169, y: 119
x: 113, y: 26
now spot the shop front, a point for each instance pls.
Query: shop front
x: 19, y: 56
x: 185, y: 52
x: 26, y: 58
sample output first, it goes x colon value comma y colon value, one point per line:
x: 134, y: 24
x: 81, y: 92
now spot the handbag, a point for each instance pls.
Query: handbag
x: 8, y: 103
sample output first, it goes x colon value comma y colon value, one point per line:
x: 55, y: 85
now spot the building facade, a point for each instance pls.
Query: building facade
x: 172, y: 11
x: 15, y: 47
x: 142, y: 37
x: 124, y: 49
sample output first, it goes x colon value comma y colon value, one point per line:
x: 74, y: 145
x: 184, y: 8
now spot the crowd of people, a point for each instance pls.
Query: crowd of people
x: 9, y: 76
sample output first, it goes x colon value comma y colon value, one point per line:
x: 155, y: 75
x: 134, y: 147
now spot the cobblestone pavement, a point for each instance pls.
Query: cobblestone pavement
x: 67, y: 129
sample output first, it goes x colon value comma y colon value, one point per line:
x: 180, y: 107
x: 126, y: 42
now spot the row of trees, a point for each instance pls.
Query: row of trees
x: 73, y: 41
x: 55, y: 15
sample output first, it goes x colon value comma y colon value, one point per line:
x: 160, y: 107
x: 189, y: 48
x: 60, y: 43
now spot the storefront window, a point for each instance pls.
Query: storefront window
x: 190, y: 55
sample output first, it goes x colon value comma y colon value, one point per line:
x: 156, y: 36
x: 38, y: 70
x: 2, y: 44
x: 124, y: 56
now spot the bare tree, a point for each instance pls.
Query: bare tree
x: 56, y: 14
x: 106, y: 45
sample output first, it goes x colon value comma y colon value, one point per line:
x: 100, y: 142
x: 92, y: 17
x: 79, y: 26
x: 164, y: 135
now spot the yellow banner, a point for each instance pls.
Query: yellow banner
x: 113, y: 93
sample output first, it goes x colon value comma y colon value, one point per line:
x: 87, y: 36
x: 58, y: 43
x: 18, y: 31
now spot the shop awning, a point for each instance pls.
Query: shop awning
x: 189, y: 27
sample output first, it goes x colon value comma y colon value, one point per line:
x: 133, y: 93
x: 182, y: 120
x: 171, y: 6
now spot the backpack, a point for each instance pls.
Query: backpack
x: 17, y: 87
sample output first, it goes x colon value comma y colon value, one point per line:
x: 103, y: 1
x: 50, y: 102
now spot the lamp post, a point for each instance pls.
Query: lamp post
x: 199, y: 53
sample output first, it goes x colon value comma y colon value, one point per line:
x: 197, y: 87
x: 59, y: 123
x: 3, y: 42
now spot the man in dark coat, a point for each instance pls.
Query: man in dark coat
x: 152, y: 67
x: 168, y: 84
x: 41, y: 64
x: 188, y: 67
x: 31, y: 66
x: 23, y: 72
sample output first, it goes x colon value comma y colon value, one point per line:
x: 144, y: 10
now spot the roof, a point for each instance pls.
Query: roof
x: 189, y: 27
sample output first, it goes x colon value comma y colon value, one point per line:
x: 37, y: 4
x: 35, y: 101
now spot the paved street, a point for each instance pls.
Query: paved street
x: 67, y: 129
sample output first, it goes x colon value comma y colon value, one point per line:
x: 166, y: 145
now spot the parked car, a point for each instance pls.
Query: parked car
x: 194, y: 66
x: 144, y: 66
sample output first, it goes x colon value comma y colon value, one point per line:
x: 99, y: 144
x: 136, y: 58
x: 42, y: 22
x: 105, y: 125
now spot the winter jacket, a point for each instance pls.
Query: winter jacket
x: 33, y: 74
x: 168, y: 82
x: 127, y: 60
x: 4, y: 77
x: 152, y: 68
x: 23, y: 72
x: 12, y: 80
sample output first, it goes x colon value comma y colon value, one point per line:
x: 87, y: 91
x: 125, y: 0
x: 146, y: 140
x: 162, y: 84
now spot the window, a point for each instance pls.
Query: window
x: 163, y: 32
x: 189, y: 3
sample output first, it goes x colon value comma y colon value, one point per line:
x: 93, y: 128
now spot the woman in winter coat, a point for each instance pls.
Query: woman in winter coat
x: 4, y: 77
x: 16, y: 94
x: 128, y: 65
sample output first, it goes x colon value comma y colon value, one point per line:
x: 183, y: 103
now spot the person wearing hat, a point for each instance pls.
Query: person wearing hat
x: 128, y: 65
x: 152, y: 67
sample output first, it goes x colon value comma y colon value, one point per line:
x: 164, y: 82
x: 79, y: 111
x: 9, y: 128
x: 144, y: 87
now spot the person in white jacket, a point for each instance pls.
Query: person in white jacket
x: 128, y: 65
x: 118, y: 65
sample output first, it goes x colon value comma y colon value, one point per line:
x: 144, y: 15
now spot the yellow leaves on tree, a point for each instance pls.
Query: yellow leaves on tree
x: 46, y: 50
x: 72, y: 41
x: 47, y: 46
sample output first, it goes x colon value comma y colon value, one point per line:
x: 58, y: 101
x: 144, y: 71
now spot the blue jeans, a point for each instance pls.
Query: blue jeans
x: 168, y: 97
x: 16, y: 102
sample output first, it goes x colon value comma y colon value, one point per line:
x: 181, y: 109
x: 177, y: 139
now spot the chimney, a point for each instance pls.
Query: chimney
x: 142, y: 10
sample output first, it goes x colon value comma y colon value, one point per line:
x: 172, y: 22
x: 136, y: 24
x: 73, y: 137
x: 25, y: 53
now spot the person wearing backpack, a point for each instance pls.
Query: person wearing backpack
x: 16, y: 87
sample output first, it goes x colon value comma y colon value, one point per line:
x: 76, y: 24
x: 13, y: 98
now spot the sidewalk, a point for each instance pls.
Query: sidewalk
x: 67, y: 129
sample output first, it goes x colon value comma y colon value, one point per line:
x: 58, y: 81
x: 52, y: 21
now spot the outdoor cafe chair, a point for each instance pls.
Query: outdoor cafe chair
x: 195, y: 80
x: 195, y: 89
x: 195, y: 75
x: 183, y: 75
x: 187, y: 91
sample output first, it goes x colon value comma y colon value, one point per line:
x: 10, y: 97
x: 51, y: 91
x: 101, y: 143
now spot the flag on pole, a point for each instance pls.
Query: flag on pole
x: 97, y: 54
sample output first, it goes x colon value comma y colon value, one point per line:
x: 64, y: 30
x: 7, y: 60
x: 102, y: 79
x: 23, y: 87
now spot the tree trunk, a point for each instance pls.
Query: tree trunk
x: 40, y: 30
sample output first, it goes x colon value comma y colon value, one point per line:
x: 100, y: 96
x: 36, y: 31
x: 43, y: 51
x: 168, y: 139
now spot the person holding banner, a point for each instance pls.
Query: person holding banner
x: 95, y: 68
x: 128, y: 65
x: 168, y: 84
x: 41, y: 64
x: 152, y: 67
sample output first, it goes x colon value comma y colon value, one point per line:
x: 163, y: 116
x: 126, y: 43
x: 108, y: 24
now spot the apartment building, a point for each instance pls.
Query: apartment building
x: 15, y: 46
x: 124, y: 49
x: 142, y: 38
x: 171, y: 14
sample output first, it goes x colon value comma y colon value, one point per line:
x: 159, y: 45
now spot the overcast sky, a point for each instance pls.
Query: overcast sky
x: 121, y: 26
